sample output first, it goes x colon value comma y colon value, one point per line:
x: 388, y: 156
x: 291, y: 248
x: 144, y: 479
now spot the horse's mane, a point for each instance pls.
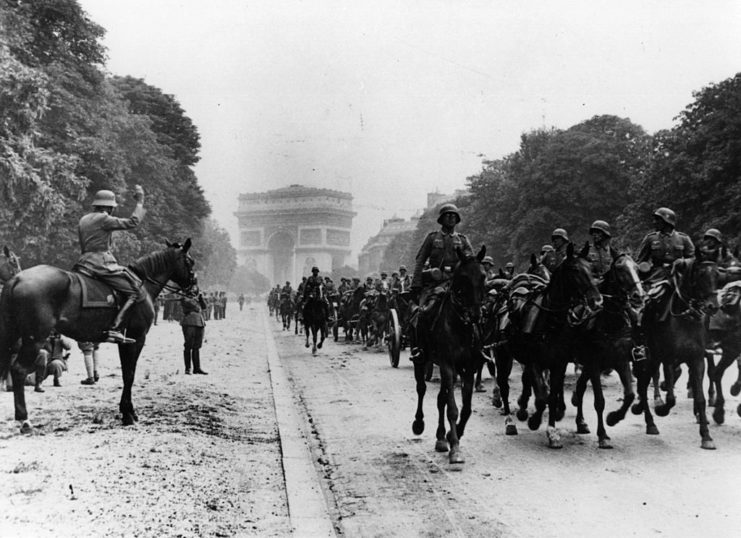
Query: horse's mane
x: 153, y: 263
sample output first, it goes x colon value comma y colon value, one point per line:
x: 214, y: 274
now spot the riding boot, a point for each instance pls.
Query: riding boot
x: 186, y: 358
x: 197, y: 362
x: 114, y: 334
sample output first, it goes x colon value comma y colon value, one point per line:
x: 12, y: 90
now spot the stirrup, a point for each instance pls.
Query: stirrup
x: 116, y: 337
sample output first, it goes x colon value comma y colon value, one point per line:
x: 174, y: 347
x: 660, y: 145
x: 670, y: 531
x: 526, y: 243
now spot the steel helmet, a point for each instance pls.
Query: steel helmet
x: 488, y: 259
x: 509, y: 265
x: 384, y: 273
x: 601, y: 226
x: 715, y: 234
x: 402, y: 268
x: 560, y: 232
x: 105, y: 198
x: 315, y: 269
x: 546, y: 248
x: 448, y: 208
x: 667, y: 215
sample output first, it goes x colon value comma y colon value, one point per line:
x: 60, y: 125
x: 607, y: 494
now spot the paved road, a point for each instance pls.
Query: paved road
x: 385, y: 481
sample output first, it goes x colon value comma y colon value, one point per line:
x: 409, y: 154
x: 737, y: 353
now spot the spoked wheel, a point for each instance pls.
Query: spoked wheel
x: 335, y: 324
x: 393, y: 338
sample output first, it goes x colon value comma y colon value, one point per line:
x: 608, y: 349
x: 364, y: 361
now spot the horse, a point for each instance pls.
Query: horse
x: 448, y: 338
x: 315, y: 321
x: 43, y: 298
x: 350, y: 310
x: 605, y: 342
x: 495, y: 320
x: 298, y: 314
x: 538, y: 336
x: 378, y: 317
x: 674, y: 324
x: 286, y: 310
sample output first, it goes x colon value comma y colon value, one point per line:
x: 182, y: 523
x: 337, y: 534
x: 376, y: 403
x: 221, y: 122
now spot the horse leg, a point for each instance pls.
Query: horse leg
x: 522, y: 401
x: 555, y: 395
x: 644, y: 374
x: 541, y: 397
x: 726, y: 360
x: 129, y: 355
x: 477, y: 382
x: 669, y: 380
x: 578, y: 397
x: 441, y: 442
x: 27, y: 354
x: 418, y: 426
x: 307, y: 330
x: 697, y: 373
x: 628, y: 395
x: 711, y: 373
x: 736, y: 387
x: 447, y: 378
x: 599, y: 407
x: 658, y: 400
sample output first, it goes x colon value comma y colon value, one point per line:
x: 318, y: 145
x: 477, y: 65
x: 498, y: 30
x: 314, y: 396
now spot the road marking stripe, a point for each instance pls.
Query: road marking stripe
x: 307, y: 506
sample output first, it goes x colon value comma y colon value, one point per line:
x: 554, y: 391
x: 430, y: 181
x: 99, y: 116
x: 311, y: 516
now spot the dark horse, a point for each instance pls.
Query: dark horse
x: 286, y: 310
x: 448, y: 336
x: 350, y: 311
x: 539, y: 336
x: 315, y: 321
x: 675, y: 332
x: 605, y: 341
x: 378, y: 318
x: 42, y: 298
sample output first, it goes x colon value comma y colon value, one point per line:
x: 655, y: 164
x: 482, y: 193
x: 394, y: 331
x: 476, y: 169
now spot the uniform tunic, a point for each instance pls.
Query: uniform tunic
x: 440, y: 249
x: 193, y: 323
x: 600, y: 258
x: 662, y: 249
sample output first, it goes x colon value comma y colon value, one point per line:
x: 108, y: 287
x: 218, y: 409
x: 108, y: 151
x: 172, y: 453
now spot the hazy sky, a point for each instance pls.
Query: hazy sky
x: 391, y: 100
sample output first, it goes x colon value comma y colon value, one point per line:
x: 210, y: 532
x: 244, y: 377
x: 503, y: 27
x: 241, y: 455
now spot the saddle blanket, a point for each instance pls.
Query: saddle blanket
x: 95, y: 294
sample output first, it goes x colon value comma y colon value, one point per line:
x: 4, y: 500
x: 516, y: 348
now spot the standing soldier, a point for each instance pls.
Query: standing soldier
x: 222, y: 302
x: 193, y: 326
x: 240, y: 300
x: 601, y: 253
x: 95, y: 232
x: 440, y: 249
x: 660, y: 248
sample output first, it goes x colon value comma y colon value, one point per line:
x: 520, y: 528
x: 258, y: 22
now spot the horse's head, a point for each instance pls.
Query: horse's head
x: 573, y: 279
x: 697, y: 283
x: 467, y: 284
x: 182, y: 270
x: 537, y: 268
x: 10, y: 265
x: 622, y: 277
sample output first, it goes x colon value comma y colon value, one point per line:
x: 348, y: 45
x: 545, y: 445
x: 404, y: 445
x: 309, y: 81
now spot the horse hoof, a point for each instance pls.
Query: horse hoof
x: 522, y: 414
x: 735, y: 389
x: 558, y: 415
x: 496, y: 402
x: 574, y: 401
x: 418, y: 426
x: 533, y: 422
x: 582, y: 428
x: 455, y: 456
x: 480, y: 388
x: 554, y: 438
x: 738, y: 410
x: 604, y: 443
x: 306, y: 345
x: 319, y: 345
x: 612, y: 418
x: 651, y: 429
x: 510, y: 429
x: 637, y: 408
x: 662, y: 410
x: 658, y: 402
x: 707, y: 444
x: 441, y: 445
x: 26, y: 427
x: 662, y: 386
x: 719, y: 415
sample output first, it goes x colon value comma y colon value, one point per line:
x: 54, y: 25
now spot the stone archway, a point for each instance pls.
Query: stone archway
x: 281, y: 246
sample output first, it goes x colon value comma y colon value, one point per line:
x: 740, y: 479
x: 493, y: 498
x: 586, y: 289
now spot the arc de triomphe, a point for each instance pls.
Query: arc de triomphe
x: 284, y: 232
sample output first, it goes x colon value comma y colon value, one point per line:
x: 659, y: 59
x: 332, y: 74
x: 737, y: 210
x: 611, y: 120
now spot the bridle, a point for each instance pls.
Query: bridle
x: 695, y: 307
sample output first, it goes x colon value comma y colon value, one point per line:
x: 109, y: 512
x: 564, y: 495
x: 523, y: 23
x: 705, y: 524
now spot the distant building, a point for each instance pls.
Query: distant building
x: 371, y: 256
x: 284, y: 232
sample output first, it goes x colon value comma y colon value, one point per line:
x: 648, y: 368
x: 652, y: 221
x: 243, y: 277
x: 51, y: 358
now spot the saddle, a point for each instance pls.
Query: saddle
x: 96, y: 294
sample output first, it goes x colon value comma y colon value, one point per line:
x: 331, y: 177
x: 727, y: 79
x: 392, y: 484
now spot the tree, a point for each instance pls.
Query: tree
x: 216, y: 258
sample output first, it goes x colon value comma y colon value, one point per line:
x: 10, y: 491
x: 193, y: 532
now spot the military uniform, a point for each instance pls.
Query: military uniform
x: 601, y: 258
x: 314, y: 282
x: 193, y: 326
x: 661, y: 250
x: 440, y: 249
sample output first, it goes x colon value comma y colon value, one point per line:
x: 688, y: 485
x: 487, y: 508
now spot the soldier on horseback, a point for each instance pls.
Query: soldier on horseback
x: 560, y: 240
x: 662, y: 247
x: 404, y: 279
x: 96, y: 232
x: 601, y: 254
x: 314, y: 285
x: 440, y: 250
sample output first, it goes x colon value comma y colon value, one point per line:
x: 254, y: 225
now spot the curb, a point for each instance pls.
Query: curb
x: 307, y: 506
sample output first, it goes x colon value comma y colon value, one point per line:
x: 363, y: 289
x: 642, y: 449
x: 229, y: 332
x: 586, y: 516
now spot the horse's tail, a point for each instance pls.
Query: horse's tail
x: 8, y: 330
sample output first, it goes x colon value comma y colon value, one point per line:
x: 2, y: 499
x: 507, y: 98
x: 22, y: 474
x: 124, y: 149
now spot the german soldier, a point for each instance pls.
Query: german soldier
x: 660, y: 248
